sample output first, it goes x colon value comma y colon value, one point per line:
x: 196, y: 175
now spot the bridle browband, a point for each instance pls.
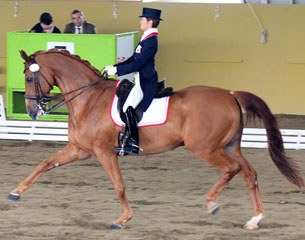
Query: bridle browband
x: 42, y: 99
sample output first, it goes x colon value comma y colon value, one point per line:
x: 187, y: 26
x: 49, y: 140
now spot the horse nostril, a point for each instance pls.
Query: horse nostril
x: 32, y: 115
x: 33, y: 111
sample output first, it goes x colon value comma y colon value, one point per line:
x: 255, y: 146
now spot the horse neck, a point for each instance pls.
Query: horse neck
x: 71, y: 81
x: 78, y: 77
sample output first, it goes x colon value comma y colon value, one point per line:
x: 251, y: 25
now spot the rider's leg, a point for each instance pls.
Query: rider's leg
x: 135, y: 96
x: 132, y: 144
x: 131, y: 129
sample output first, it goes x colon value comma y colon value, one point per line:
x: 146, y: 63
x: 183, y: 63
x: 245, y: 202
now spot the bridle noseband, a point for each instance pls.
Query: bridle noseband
x: 42, y: 99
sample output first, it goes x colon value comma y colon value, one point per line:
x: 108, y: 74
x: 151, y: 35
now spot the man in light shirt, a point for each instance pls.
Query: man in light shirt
x: 79, y: 25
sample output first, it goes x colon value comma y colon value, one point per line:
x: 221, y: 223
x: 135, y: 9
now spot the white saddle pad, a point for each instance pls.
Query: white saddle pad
x: 156, y: 114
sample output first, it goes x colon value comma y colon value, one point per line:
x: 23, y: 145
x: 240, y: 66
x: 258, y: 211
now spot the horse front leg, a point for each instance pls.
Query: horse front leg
x: 69, y: 154
x: 109, y: 161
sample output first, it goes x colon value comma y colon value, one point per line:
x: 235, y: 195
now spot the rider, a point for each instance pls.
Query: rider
x: 142, y: 63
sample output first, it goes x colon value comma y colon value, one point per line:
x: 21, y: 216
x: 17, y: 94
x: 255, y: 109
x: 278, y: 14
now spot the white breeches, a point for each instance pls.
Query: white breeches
x: 135, y: 96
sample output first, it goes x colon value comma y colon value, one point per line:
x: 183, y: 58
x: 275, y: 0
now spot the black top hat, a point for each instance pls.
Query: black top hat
x: 151, y: 13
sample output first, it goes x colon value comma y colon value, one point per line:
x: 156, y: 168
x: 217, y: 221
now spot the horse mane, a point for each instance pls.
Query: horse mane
x: 73, y: 56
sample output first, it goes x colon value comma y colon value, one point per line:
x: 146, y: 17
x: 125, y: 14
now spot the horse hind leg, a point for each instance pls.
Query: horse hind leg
x: 230, y: 161
x: 228, y: 169
x: 249, y: 176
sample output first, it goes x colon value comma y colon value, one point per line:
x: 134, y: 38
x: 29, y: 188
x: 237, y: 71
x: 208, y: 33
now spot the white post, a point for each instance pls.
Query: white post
x: 2, y: 112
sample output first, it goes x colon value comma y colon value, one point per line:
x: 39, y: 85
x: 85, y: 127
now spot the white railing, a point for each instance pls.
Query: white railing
x: 257, y: 138
x: 58, y: 131
x: 31, y: 130
x: 2, y: 113
x: 34, y: 130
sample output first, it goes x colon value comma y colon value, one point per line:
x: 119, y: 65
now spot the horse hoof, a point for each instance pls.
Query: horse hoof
x: 251, y: 226
x: 14, y: 196
x: 213, y: 208
x: 214, y: 211
x: 117, y: 226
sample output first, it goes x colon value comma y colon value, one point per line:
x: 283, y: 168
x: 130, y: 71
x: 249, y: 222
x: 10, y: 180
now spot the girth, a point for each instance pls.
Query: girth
x: 124, y: 89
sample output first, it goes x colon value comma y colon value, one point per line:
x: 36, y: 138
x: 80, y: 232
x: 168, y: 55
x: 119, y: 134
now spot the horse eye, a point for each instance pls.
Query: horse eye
x: 28, y: 79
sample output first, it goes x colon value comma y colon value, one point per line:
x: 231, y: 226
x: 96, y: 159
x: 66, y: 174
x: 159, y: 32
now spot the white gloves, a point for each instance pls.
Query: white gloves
x: 111, y: 70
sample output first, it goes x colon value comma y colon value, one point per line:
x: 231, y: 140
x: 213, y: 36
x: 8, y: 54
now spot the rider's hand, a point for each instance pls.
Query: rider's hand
x: 111, y: 70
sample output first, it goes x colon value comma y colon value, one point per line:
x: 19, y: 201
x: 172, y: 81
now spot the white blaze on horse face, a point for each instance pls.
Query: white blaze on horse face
x: 34, y: 67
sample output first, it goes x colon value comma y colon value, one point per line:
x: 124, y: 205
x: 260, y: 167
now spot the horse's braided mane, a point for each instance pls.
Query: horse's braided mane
x: 68, y: 54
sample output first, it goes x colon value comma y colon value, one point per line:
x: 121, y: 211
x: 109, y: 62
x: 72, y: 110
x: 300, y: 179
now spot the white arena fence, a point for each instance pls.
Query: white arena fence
x: 58, y: 131
x: 257, y: 138
x: 34, y: 130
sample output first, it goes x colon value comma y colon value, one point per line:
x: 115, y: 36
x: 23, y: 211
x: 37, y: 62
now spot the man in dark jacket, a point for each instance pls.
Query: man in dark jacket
x: 79, y: 25
x: 142, y: 63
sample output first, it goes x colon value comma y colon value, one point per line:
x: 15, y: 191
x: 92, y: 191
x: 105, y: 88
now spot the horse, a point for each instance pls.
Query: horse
x: 206, y: 120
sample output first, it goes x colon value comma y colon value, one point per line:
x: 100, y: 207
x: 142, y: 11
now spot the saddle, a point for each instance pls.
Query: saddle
x: 124, y: 89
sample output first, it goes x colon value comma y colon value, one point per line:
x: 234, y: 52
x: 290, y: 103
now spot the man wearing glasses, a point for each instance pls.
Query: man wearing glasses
x: 79, y: 25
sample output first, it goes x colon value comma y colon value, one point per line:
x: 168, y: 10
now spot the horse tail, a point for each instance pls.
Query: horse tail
x: 255, y: 107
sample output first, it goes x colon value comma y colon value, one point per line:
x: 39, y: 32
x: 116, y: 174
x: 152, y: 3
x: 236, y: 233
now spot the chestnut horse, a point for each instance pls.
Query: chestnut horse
x: 207, y: 120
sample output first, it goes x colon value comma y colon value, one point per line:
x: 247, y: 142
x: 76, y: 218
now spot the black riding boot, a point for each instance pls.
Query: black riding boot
x: 130, y: 139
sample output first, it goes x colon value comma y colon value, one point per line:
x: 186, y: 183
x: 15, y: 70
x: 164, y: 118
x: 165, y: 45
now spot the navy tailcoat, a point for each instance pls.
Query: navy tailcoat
x: 143, y: 61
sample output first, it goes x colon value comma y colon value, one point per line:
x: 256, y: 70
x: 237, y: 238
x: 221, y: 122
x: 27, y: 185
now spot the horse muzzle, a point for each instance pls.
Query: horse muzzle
x: 35, y: 111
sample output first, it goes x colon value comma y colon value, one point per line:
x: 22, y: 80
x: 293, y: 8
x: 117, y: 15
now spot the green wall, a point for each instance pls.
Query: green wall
x: 194, y: 48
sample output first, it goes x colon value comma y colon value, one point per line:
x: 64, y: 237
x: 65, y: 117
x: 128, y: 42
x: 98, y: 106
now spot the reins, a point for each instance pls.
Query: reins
x: 62, y: 102
x: 42, y: 99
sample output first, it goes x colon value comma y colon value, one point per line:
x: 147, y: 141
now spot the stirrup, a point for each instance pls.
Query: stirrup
x: 127, y: 150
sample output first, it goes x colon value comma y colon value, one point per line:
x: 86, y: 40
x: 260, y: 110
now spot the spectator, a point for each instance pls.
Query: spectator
x: 45, y: 25
x: 79, y: 25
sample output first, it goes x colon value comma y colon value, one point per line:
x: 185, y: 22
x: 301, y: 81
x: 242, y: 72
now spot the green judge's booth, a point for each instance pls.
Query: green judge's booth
x: 99, y: 49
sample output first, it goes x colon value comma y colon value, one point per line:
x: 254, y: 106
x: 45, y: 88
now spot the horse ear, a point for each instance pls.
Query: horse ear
x: 24, y: 55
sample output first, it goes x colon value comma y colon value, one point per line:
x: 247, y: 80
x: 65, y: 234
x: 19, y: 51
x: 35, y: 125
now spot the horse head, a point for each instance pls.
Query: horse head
x: 45, y: 69
x: 39, y: 81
